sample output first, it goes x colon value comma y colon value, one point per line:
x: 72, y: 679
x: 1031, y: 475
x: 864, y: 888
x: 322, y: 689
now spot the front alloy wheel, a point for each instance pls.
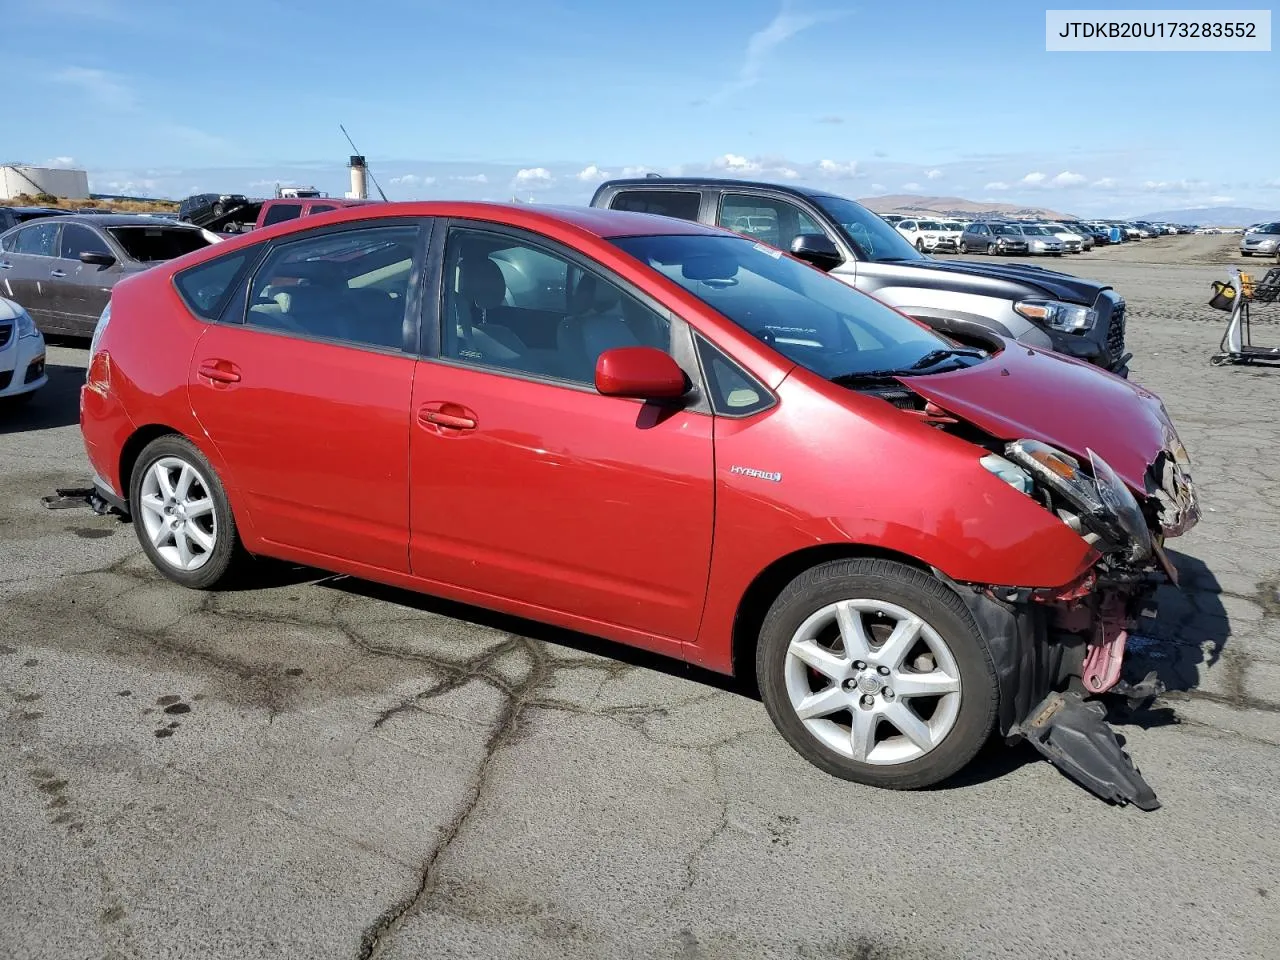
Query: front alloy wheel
x: 882, y: 669
x: 875, y: 672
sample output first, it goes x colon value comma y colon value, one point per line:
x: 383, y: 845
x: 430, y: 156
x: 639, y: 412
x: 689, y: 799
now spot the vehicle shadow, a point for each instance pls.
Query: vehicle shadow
x: 56, y: 404
x: 532, y: 630
x: 1188, y: 636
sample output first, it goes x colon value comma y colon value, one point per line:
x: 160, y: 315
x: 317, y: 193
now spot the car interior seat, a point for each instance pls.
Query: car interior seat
x: 481, y: 287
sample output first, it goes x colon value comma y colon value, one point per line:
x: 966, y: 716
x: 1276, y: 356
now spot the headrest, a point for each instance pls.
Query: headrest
x: 481, y: 282
x: 590, y: 295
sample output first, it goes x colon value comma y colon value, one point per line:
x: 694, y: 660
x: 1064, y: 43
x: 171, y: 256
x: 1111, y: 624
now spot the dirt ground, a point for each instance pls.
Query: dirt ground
x: 325, y: 768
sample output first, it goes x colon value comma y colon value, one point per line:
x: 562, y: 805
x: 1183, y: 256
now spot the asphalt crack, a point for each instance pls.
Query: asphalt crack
x: 381, y: 930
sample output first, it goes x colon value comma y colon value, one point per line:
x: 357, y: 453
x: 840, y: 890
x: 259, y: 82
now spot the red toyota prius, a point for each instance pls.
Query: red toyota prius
x: 664, y: 434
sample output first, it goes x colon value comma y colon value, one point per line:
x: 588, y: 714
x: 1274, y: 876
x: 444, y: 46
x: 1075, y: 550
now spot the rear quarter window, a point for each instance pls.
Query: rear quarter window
x: 205, y: 288
x: 681, y: 204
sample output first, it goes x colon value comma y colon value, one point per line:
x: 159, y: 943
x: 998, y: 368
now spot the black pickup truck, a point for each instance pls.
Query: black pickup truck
x: 1039, y: 307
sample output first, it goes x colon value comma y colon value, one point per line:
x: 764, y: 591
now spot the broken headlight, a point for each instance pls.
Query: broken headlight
x: 1105, y: 504
x: 1118, y: 499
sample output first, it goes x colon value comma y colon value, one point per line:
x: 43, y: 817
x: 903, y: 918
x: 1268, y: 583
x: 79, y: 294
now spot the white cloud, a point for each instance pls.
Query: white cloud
x: 934, y: 174
x: 591, y: 173
x: 1222, y: 199
x: 996, y: 185
x: 912, y: 186
x: 1068, y: 179
x: 1033, y: 177
x: 837, y: 170
x: 474, y: 178
x: 878, y: 188
x: 412, y: 180
x: 132, y: 188
x: 787, y: 173
x: 634, y: 171
x: 107, y: 90
x: 785, y: 25
x: 1104, y: 183
x: 534, y: 176
x: 736, y: 164
x: 1171, y: 186
x: 60, y: 162
x: 1272, y: 183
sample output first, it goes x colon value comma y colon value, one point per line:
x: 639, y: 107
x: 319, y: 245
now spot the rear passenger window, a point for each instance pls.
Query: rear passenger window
x: 682, y: 204
x: 734, y: 392
x: 350, y: 286
x: 37, y: 240
x: 205, y: 288
x: 321, y: 208
x: 281, y: 212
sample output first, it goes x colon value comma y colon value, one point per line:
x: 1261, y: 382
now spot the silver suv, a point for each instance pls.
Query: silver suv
x: 965, y: 299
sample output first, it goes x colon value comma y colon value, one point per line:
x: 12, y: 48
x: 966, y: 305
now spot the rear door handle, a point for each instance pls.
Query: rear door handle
x: 219, y: 371
x: 57, y: 273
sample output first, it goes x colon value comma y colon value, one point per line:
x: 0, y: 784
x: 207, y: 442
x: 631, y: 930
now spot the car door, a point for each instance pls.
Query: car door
x: 304, y: 389
x: 84, y: 288
x: 529, y: 486
x: 26, y: 269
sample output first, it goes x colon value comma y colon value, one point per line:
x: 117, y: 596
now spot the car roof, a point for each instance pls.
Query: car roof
x: 596, y: 221
x: 118, y: 220
x: 717, y: 182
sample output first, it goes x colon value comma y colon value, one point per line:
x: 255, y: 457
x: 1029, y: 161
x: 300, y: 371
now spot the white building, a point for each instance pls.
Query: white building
x: 20, y: 178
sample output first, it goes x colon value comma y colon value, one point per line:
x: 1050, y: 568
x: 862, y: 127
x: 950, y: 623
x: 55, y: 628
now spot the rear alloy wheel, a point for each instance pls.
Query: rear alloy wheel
x: 919, y: 246
x: 181, y: 515
x: 874, y: 672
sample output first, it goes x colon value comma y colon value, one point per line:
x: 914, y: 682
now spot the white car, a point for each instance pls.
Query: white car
x: 21, y: 354
x: 1072, y: 242
x: 922, y: 234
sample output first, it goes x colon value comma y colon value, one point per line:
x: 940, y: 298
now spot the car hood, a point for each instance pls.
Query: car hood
x: 1025, y: 393
x: 1058, y: 285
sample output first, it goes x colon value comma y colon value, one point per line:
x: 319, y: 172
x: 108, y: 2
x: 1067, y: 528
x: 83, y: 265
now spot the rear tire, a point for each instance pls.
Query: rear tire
x: 182, y: 516
x: 907, y: 631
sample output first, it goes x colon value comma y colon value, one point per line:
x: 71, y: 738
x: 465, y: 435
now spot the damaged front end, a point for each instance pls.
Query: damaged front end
x: 1055, y: 649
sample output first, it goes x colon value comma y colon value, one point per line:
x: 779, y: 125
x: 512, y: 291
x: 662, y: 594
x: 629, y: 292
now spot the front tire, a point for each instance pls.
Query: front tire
x: 991, y: 249
x: 874, y: 672
x: 963, y: 248
x: 919, y: 246
x: 182, y: 517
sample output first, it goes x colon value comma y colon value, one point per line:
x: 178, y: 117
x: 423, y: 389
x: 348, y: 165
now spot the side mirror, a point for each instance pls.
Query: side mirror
x: 98, y: 258
x: 641, y: 373
x: 816, y: 249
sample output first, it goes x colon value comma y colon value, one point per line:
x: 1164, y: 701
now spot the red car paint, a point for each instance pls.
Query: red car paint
x: 596, y: 513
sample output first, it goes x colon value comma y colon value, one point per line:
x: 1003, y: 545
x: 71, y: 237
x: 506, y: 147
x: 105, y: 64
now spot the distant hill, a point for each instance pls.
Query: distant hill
x: 1214, y: 216
x: 955, y: 207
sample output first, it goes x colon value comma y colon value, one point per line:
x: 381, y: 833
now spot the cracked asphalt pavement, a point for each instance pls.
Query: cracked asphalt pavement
x: 321, y: 767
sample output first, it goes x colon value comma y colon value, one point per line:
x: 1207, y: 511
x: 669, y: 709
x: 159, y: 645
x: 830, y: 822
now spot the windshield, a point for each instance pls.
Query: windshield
x: 1004, y: 228
x: 1035, y: 231
x: 152, y: 244
x: 811, y: 318
x: 929, y: 225
x: 1266, y: 228
x: 871, y: 236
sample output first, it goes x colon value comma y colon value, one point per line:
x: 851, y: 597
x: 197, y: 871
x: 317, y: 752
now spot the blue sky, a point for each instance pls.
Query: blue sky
x: 540, y: 98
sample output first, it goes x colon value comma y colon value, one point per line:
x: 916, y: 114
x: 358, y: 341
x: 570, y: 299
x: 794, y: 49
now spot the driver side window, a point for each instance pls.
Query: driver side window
x: 514, y: 304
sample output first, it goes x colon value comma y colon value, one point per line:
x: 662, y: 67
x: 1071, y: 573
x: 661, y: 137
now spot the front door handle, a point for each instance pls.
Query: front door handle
x: 5, y: 265
x: 446, y: 415
x: 55, y: 272
x: 441, y: 419
x: 219, y: 371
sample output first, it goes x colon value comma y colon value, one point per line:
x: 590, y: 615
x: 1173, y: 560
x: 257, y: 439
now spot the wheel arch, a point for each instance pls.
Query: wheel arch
x: 773, y: 579
x: 133, y: 447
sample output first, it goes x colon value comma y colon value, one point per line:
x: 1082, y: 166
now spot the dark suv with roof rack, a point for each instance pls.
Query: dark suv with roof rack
x: 967, y: 300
